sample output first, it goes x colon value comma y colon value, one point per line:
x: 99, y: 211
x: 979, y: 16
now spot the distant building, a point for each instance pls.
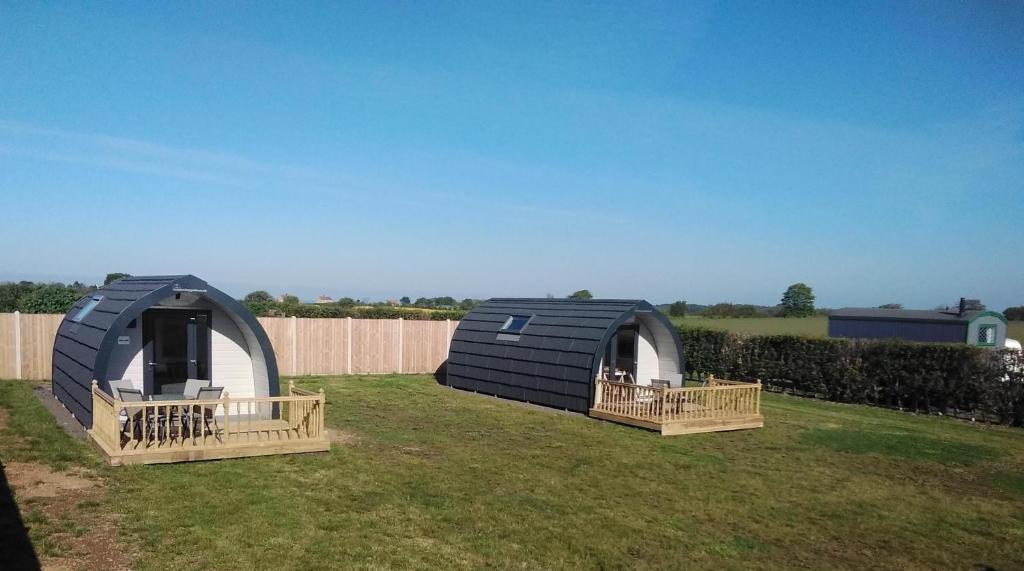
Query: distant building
x: 394, y: 302
x: 322, y: 299
x: 958, y: 325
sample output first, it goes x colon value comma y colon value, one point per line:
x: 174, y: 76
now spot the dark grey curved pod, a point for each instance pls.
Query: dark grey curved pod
x: 83, y: 348
x: 557, y: 356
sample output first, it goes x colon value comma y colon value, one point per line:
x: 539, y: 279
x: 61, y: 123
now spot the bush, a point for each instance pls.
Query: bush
x: 274, y: 309
x: 48, y: 299
x: 926, y: 377
x: 1015, y: 313
x: 733, y: 310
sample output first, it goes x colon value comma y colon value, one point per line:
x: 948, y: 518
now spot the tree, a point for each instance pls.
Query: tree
x: 468, y: 304
x: 289, y: 299
x: 891, y: 306
x: 1015, y: 313
x: 677, y: 309
x: 798, y: 301
x: 581, y: 294
x: 405, y: 300
x: 53, y: 298
x: 258, y: 295
x: 113, y: 277
x: 346, y: 302
x: 12, y: 293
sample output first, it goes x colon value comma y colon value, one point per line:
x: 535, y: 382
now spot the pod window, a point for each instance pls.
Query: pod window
x: 87, y: 308
x: 515, y: 324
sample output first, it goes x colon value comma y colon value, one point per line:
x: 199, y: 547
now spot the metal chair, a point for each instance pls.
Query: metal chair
x: 125, y: 394
x: 202, y: 414
x: 192, y: 387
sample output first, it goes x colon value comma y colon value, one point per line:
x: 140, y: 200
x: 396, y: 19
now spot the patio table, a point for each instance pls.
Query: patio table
x: 168, y: 396
x: 175, y: 414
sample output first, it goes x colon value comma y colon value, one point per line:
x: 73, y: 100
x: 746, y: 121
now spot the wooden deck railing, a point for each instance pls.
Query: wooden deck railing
x: 719, y: 400
x: 127, y: 428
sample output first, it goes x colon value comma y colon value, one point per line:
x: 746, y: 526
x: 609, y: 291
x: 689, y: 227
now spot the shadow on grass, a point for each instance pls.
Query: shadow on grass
x: 16, y: 550
x: 441, y: 374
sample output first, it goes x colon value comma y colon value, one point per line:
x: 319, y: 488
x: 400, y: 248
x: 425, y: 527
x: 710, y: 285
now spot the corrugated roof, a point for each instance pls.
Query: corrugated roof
x: 902, y: 314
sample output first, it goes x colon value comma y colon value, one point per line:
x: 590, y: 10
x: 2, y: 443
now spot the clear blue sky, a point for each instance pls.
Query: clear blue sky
x: 708, y: 152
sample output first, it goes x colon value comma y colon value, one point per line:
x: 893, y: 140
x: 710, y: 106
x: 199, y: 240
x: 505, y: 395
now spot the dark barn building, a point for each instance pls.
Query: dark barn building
x: 979, y: 328
x: 155, y: 332
x: 550, y: 351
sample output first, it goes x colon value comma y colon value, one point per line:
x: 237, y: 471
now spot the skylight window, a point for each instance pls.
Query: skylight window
x: 515, y: 324
x: 87, y: 308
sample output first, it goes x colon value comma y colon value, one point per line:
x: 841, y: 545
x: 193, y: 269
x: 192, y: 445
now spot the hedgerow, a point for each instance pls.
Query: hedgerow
x: 925, y: 377
x: 274, y: 309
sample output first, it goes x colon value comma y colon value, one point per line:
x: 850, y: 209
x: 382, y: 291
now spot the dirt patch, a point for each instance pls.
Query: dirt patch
x: 39, y: 481
x: 70, y: 523
x: 341, y: 436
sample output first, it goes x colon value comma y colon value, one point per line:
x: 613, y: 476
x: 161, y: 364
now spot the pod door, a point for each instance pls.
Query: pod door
x: 176, y: 347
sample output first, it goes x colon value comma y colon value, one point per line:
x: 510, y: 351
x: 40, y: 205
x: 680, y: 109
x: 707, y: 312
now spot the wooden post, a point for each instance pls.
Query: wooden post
x: 291, y: 404
x: 400, y: 339
x: 448, y: 333
x: 227, y: 418
x: 664, y: 396
x: 348, y: 338
x: 17, y: 345
x: 295, y: 345
x: 320, y: 414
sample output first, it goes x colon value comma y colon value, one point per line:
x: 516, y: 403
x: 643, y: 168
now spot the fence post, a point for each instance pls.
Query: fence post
x: 17, y: 345
x: 295, y: 346
x: 448, y: 334
x: 348, y: 338
x: 401, y: 336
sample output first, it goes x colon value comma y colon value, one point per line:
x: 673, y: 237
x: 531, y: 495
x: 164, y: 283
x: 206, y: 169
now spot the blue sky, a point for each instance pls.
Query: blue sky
x: 700, y: 151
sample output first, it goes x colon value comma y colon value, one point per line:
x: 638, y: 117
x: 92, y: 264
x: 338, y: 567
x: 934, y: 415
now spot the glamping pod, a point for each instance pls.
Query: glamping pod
x: 153, y: 333
x: 551, y: 351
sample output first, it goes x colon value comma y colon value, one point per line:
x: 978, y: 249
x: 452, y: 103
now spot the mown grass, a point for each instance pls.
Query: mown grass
x: 430, y: 477
x: 816, y: 326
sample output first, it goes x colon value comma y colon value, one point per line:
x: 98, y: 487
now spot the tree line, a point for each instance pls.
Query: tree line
x: 797, y: 301
x: 46, y: 297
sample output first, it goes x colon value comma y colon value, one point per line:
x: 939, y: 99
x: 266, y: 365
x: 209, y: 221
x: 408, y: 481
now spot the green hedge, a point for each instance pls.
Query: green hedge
x: 274, y: 309
x: 927, y: 377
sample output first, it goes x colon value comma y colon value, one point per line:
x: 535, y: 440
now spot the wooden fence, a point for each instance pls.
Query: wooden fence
x: 304, y: 346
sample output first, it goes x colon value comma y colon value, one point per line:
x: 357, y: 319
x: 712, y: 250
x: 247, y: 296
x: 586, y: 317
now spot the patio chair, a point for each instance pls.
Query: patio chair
x: 191, y: 392
x: 130, y: 395
x: 203, y: 414
x: 117, y: 385
x: 192, y: 387
x: 675, y: 380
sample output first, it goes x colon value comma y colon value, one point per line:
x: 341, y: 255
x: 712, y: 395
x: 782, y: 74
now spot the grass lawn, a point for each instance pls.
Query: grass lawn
x: 422, y: 476
x: 816, y: 326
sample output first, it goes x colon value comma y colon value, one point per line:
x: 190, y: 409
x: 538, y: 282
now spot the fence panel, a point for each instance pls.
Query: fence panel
x: 375, y: 345
x: 303, y: 346
x: 8, y: 353
x: 424, y: 345
x: 322, y: 346
x: 37, y: 333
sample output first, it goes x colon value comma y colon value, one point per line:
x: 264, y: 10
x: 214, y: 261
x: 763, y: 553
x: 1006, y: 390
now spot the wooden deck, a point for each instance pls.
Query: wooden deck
x: 186, y: 430
x: 722, y: 405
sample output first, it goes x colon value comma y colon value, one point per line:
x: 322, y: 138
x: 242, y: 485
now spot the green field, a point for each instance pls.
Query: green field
x: 421, y: 476
x: 816, y: 326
